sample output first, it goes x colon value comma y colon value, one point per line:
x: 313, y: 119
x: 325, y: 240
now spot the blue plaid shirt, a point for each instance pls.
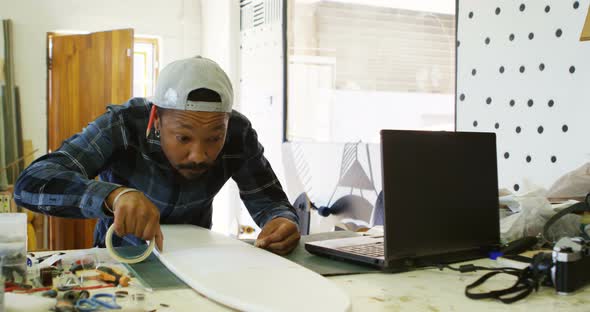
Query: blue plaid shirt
x: 114, y: 147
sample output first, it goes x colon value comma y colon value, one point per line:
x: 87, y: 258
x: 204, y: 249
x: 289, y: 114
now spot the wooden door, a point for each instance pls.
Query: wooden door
x: 85, y: 74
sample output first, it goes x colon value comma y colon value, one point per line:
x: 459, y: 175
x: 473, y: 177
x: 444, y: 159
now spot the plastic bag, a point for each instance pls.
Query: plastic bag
x: 13, y: 247
x: 528, y: 214
x: 573, y: 184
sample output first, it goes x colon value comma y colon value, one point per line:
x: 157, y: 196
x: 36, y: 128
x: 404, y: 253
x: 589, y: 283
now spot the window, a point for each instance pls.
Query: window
x: 358, y: 66
x: 145, y: 66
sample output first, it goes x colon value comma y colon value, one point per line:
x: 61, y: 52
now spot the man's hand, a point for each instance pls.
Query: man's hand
x: 135, y: 214
x: 280, y: 235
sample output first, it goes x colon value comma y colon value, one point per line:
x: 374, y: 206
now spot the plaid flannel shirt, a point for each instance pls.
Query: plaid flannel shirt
x: 114, y: 147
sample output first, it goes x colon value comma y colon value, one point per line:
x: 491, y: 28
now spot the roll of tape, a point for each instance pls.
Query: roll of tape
x: 114, y: 255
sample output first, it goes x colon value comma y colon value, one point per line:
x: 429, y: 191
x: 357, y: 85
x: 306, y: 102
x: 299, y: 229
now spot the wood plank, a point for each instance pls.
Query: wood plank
x: 3, y: 179
x: 11, y: 144
x: 19, y: 132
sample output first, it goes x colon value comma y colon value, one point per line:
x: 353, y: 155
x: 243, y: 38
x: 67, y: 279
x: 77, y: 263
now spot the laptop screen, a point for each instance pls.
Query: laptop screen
x: 440, y: 191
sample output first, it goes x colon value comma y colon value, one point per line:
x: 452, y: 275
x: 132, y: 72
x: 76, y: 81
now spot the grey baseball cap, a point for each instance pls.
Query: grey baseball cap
x: 181, y: 77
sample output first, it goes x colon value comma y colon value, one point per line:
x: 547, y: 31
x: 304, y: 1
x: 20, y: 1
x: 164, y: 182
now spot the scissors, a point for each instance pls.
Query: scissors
x: 97, y: 302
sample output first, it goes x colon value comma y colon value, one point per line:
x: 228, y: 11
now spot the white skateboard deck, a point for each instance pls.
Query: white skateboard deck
x: 243, y: 277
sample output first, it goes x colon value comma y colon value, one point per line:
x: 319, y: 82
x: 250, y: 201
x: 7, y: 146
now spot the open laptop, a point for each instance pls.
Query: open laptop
x: 440, y: 199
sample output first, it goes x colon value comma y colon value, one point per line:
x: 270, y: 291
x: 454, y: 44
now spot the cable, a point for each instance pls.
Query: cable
x: 577, y: 207
x: 526, y: 282
x: 472, y: 268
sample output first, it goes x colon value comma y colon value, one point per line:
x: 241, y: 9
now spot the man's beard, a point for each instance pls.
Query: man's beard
x: 192, y: 171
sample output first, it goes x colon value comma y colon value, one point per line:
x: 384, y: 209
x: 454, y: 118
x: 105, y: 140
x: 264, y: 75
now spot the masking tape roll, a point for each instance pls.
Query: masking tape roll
x: 114, y: 255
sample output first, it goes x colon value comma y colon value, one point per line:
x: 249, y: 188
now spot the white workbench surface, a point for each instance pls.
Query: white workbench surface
x: 421, y: 290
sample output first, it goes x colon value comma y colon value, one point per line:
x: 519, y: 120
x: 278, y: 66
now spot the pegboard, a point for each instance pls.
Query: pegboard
x: 523, y: 73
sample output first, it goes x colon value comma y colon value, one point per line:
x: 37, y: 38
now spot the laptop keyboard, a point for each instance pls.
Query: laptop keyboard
x: 370, y: 250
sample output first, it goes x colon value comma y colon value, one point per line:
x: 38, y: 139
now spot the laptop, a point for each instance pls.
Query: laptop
x: 440, y: 203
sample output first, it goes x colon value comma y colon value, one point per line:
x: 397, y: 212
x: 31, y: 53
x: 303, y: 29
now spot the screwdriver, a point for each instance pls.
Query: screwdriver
x: 111, y: 276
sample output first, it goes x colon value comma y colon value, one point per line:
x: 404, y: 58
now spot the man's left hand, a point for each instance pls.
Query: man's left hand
x: 280, y: 235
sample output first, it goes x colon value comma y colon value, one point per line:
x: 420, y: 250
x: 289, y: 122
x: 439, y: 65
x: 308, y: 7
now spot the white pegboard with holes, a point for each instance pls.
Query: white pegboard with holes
x: 523, y: 73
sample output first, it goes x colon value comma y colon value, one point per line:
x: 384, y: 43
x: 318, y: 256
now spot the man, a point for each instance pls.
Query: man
x: 197, y: 143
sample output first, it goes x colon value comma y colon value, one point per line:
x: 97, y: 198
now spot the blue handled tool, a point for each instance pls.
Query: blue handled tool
x: 97, y: 302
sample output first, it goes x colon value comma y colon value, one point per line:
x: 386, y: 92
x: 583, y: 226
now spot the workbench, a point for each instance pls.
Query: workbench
x: 421, y: 290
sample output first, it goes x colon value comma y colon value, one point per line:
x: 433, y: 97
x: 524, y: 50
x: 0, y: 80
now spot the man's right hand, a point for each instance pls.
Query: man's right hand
x: 135, y: 214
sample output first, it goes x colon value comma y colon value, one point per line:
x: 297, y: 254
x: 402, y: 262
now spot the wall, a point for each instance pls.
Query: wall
x: 261, y: 77
x: 175, y: 22
x: 220, y: 22
x: 523, y: 73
